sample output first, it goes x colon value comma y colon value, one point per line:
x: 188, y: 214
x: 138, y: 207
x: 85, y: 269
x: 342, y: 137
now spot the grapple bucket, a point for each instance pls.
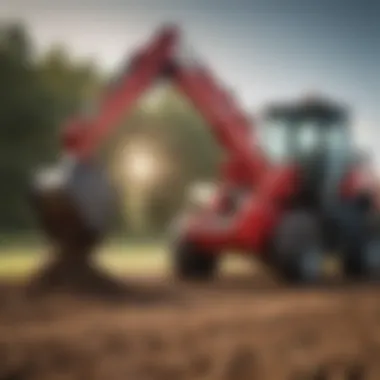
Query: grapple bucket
x: 74, y: 203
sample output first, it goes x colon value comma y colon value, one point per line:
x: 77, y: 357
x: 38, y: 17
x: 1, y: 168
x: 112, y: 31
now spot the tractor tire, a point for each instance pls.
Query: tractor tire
x: 297, y: 252
x: 192, y: 263
x: 361, y: 247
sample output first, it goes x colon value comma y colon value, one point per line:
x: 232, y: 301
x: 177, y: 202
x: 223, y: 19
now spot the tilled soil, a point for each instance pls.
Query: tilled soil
x: 231, y: 329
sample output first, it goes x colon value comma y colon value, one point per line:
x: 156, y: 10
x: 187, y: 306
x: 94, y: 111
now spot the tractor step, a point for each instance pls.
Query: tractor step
x: 74, y: 202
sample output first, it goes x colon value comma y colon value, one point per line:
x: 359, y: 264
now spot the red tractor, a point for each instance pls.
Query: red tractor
x: 310, y: 201
x: 288, y: 191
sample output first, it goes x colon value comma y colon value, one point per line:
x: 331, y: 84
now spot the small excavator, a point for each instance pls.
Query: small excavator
x: 290, y: 190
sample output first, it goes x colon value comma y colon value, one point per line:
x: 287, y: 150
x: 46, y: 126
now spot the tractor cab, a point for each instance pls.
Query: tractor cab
x: 315, y: 135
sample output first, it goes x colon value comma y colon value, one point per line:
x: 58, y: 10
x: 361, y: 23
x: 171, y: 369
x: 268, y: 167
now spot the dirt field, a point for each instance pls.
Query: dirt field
x: 236, y: 328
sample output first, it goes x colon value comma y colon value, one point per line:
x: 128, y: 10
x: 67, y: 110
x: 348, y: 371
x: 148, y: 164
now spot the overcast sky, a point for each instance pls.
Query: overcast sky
x: 264, y: 49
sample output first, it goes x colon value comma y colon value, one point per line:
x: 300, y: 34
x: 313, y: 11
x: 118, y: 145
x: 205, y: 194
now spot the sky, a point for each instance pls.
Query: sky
x: 264, y: 50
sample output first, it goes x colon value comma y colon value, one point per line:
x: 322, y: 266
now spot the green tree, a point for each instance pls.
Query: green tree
x: 70, y: 83
x: 26, y: 132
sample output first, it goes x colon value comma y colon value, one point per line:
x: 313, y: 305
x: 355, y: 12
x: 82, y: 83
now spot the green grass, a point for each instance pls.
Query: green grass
x: 20, y: 261
x: 134, y: 258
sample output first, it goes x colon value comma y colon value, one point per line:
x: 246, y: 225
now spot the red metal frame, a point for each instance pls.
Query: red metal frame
x: 228, y: 123
x: 83, y: 136
x: 250, y: 228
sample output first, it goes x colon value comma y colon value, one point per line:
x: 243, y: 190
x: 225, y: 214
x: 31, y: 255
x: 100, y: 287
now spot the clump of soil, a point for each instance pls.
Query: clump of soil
x: 75, y: 274
x: 71, y: 268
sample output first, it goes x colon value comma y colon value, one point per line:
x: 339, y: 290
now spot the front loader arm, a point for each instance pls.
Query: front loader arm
x: 227, y: 121
x: 83, y: 136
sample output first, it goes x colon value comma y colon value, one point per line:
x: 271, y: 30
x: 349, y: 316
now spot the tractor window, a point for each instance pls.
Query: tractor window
x: 275, y: 140
x: 286, y: 139
x: 338, y: 146
x: 337, y: 138
x: 308, y: 137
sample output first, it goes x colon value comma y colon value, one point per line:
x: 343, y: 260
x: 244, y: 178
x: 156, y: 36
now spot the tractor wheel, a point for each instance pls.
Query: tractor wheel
x: 297, y: 250
x: 361, y: 249
x: 363, y: 263
x: 192, y: 263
